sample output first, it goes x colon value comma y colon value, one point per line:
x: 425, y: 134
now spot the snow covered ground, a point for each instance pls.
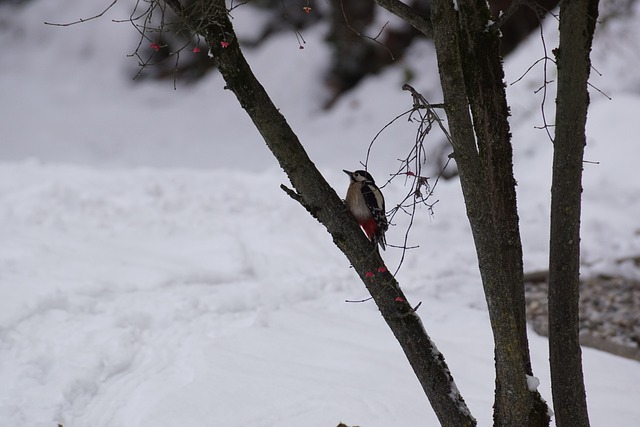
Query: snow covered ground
x: 152, y: 273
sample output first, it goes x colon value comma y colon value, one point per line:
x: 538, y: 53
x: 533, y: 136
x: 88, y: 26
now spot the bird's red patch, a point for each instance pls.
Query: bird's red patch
x: 369, y: 226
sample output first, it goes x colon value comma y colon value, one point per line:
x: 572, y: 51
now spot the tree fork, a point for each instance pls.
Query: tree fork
x: 484, y: 75
x: 486, y: 167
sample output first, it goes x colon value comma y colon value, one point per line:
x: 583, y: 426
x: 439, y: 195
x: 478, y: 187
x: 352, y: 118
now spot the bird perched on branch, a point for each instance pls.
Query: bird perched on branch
x: 366, y: 203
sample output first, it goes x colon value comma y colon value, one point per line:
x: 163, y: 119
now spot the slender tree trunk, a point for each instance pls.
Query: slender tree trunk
x: 315, y: 194
x: 577, y: 25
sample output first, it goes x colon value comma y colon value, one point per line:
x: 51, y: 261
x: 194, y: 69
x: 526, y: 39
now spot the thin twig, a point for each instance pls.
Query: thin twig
x: 359, y: 34
x: 81, y: 20
x: 420, y: 190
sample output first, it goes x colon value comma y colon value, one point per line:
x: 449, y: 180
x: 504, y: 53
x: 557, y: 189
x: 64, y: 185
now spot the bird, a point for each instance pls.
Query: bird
x: 366, y: 203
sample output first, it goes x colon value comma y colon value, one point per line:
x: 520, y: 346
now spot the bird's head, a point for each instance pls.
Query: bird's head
x: 360, y: 176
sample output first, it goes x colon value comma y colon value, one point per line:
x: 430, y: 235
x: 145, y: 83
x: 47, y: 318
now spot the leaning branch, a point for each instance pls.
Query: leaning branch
x: 321, y: 201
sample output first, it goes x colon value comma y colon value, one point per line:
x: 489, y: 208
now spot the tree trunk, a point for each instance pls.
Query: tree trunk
x: 503, y: 276
x: 315, y: 194
x: 577, y: 25
x: 472, y: 78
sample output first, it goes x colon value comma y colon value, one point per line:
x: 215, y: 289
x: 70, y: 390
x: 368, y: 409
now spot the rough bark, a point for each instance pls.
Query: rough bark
x: 503, y: 276
x: 315, y: 194
x: 577, y: 25
x: 472, y: 78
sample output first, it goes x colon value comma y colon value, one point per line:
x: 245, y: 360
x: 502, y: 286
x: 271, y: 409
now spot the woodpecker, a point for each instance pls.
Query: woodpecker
x: 366, y: 203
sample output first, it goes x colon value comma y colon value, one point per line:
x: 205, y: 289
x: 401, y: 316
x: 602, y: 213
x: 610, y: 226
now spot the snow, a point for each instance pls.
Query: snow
x: 153, y: 273
x: 532, y: 383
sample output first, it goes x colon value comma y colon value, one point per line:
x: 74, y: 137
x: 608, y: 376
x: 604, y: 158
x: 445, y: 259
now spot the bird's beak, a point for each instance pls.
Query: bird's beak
x: 347, y: 172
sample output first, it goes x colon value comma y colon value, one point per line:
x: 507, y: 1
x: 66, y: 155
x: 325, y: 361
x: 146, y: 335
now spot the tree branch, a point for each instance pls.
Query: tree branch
x: 408, y: 14
x: 324, y: 204
x: 513, y: 8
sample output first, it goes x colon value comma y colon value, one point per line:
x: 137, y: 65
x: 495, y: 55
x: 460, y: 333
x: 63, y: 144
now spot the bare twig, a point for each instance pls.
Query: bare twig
x: 420, y: 190
x: 299, y: 38
x: 81, y: 20
x: 544, y: 92
x: 359, y: 34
